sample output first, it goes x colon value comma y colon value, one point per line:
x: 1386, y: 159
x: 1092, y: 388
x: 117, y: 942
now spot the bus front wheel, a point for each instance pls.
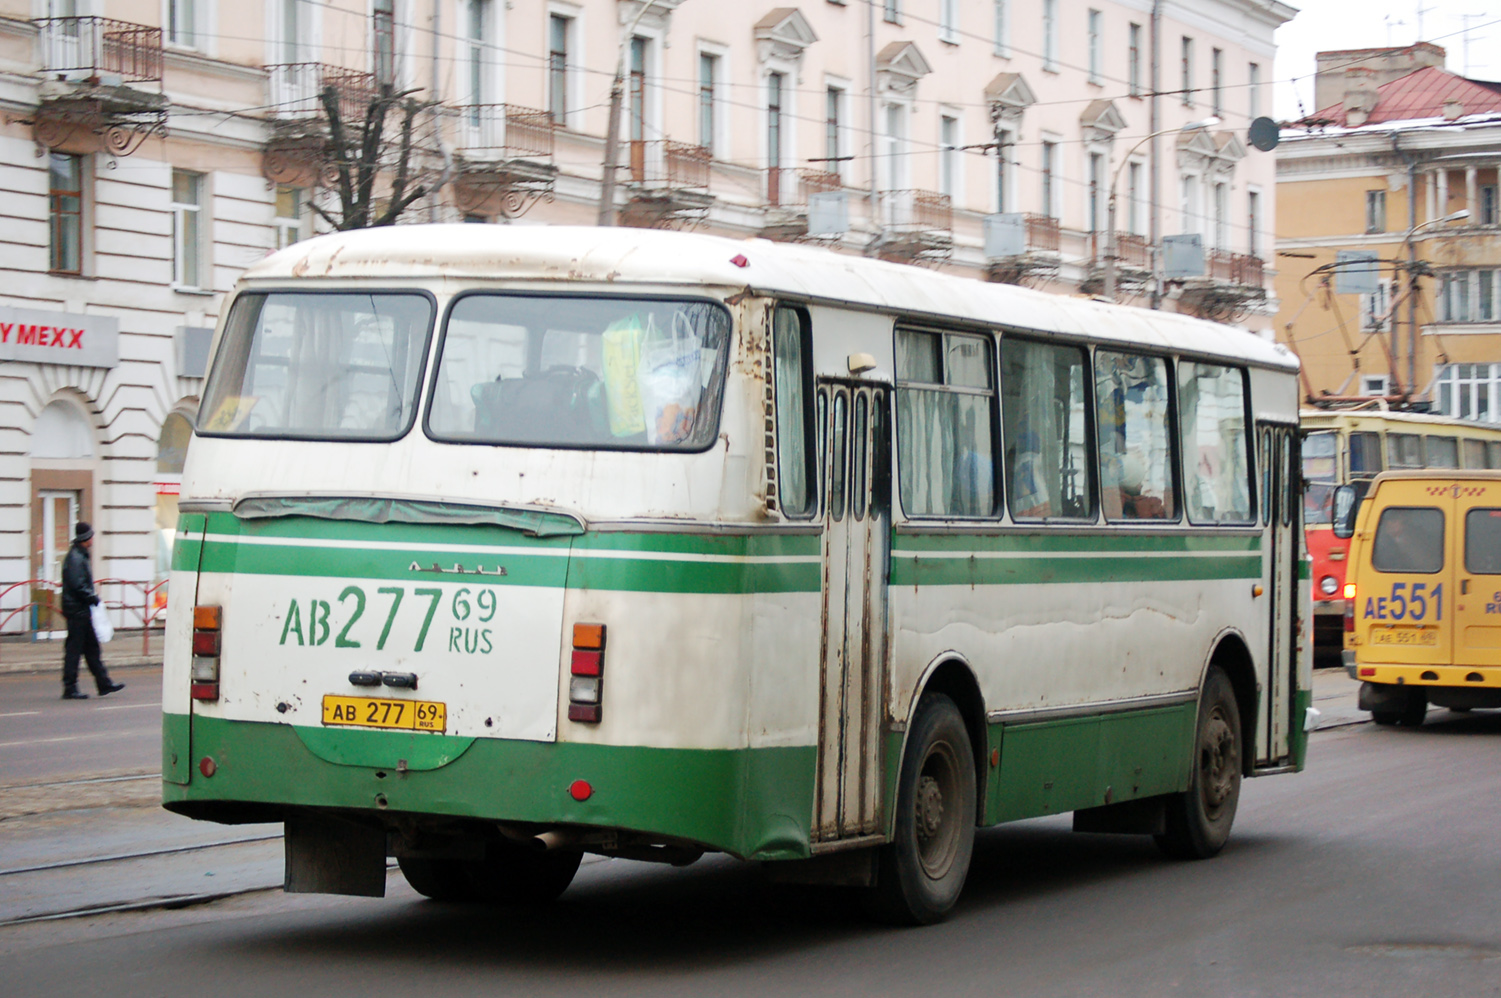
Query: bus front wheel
x: 920, y: 873
x: 508, y: 874
x: 1199, y: 819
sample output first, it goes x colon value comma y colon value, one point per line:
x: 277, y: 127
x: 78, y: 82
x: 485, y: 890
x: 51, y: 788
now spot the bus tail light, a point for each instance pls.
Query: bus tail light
x: 1349, y: 608
x: 206, y: 648
x: 586, y: 673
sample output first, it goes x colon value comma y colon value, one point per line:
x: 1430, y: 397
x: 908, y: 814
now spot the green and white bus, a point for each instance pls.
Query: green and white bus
x: 503, y: 545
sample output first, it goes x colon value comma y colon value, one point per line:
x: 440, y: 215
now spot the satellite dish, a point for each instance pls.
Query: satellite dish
x: 1264, y: 134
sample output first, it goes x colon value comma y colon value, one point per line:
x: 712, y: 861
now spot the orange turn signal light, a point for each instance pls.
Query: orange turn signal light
x: 590, y: 636
x: 206, y: 618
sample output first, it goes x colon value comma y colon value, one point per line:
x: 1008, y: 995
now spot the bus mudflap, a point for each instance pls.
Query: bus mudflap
x: 330, y: 855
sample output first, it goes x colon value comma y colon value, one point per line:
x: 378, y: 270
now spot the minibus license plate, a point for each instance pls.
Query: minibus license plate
x: 370, y: 712
x: 1426, y: 637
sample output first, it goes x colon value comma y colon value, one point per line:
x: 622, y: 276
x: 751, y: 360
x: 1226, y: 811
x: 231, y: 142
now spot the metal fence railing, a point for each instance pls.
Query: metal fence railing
x: 134, y: 604
x: 100, y: 46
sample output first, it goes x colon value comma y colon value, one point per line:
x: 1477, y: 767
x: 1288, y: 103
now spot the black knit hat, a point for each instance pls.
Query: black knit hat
x: 82, y: 532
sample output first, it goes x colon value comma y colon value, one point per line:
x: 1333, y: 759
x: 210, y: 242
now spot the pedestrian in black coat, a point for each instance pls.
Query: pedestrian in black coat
x: 79, y: 599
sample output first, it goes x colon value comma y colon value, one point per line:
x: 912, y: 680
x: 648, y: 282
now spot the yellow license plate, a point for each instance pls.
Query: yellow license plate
x: 370, y: 712
x: 1426, y: 638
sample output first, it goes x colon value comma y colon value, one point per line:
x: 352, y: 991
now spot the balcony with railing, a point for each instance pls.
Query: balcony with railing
x: 1241, y: 269
x: 295, y: 91
x: 1033, y: 257
x: 1233, y: 283
x: 92, y: 99
x: 917, y: 226
x: 788, y: 196
x: 1133, y: 263
x: 668, y: 184
x: 504, y: 158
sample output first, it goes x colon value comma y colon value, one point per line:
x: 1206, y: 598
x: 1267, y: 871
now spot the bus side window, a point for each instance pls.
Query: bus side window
x: 1493, y: 454
x: 945, y: 424
x: 793, y: 391
x: 1441, y: 452
x: 1136, y: 447
x: 1474, y: 453
x: 1365, y: 454
x: 1212, y: 423
x: 1045, y: 427
x: 1404, y: 450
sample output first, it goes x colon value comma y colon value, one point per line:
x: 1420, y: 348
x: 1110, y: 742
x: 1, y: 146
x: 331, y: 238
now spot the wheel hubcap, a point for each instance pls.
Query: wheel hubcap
x: 1219, y: 762
x: 934, y: 812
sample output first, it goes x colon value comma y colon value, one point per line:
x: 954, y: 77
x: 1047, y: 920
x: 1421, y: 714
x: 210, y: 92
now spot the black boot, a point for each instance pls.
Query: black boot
x: 75, y: 694
x: 110, y: 687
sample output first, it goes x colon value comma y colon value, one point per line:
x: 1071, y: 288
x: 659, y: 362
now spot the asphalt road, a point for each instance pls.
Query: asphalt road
x: 1372, y: 874
x: 42, y: 739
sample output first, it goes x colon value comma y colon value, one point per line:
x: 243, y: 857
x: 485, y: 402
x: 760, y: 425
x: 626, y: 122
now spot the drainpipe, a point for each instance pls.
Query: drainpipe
x: 432, y: 89
x: 875, y: 157
x: 1412, y: 278
x: 1155, y: 125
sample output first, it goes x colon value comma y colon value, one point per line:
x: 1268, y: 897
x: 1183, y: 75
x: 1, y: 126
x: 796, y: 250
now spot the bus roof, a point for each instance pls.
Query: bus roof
x: 620, y: 255
x: 1330, y: 418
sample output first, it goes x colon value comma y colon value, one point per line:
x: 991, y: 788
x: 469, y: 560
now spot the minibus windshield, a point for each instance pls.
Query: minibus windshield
x: 318, y: 366
x: 609, y: 373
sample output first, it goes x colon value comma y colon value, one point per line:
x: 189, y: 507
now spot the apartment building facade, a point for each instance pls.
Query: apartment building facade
x: 150, y: 149
x: 1402, y: 168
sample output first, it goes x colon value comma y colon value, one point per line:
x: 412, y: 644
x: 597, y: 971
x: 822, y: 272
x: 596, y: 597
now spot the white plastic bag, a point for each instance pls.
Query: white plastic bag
x: 103, y: 629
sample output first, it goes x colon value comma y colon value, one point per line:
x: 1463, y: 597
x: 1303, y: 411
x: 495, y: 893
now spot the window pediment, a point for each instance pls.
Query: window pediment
x: 783, y: 34
x: 1008, y: 95
x: 1101, y: 121
x: 898, y: 68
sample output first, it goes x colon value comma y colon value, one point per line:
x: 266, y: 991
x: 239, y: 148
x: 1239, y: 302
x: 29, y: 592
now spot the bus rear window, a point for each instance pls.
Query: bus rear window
x: 1409, y: 539
x: 597, y: 373
x: 318, y: 366
x: 1483, y: 541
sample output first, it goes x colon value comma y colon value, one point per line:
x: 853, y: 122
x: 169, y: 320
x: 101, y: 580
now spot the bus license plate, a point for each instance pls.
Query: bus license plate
x: 1427, y: 637
x: 370, y: 712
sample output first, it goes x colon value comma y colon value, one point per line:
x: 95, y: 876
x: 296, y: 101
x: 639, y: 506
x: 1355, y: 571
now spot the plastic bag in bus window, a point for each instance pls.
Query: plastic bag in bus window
x: 621, y: 360
x: 232, y: 412
x: 670, y: 381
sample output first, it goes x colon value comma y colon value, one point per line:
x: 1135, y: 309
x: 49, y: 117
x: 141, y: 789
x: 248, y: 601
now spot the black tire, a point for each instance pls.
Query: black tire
x: 509, y: 874
x: 920, y: 873
x: 1416, y: 710
x: 1199, y: 819
x: 1385, y: 718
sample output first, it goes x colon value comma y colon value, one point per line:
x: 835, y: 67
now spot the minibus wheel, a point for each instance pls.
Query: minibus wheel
x: 920, y: 873
x: 1199, y: 819
x: 509, y: 874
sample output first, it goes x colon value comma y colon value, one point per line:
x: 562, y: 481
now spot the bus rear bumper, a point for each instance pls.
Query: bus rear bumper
x: 751, y: 803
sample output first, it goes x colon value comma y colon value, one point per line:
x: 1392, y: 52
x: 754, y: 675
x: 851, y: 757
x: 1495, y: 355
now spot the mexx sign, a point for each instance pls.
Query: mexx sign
x: 59, y: 338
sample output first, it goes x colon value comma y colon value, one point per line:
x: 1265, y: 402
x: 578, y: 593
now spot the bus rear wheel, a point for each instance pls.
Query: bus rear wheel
x: 508, y: 874
x: 920, y: 873
x: 1199, y: 820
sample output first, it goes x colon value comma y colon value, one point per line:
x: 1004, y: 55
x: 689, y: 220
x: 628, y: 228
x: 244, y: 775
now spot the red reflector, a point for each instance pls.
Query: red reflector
x: 207, y: 766
x: 589, y: 636
x: 206, y: 643
x: 587, y: 663
x: 205, y: 691
x: 1367, y: 671
x: 580, y: 790
x: 588, y: 712
x: 1350, y: 615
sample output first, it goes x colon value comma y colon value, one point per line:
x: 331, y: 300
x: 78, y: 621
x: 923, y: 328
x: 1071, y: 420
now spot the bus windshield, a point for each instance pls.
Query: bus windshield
x: 1319, y: 477
x: 599, y: 373
x: 318, y: 366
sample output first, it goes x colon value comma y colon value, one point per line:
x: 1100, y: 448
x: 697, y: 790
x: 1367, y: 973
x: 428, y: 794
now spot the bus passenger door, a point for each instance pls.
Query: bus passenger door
x: 855, y: 454
x: 1277, y: 454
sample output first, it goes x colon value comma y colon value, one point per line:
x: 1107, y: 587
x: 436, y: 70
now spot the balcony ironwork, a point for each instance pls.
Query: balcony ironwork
x: 90, y: 100
x: 1039, y: 258
x: 295, y: 90
x: 1133, y: 261
x: 504, y: 158
x: 669, y: 184
x: 1233, y: 283
x: 100, y: 48
x: 1235, y: 268
x: 788, y: 195
x: 918, y: 226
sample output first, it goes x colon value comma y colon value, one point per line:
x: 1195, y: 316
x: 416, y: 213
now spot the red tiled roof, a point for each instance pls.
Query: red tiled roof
x: 1422, y: 94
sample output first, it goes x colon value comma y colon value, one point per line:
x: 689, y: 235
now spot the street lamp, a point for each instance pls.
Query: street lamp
x: 1412, y: 295
x: 1110, y: 249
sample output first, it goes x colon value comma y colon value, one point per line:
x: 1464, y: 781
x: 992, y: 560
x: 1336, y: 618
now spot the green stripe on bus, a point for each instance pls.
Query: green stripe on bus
x: 753, y: 803
x: 908, y: 570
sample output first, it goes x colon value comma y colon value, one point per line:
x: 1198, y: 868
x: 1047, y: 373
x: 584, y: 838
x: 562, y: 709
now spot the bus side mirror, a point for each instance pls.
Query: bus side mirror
x: 1346, y: 504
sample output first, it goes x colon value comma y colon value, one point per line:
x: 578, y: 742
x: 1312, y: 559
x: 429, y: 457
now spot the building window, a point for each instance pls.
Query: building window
x: 1253, y: 222
x: 1373, y: 385
x: 948, y: 21
x: 1003, y: 153
x: 1133, y: 199
x: 1095, y: 27
x: 948, y: 156
x: 637, y: 89
x: 1133, y: 61
x: 774, y: 136
x: 892, y: 11
x: 65, y: 210
x: 1221, y: 216
x: 1050, y: 35
x: 1375, y: 211
x: 1096, y: 192
x: 182, y: 23
x: 1253, y: 89
x: 1049, y: 180
x: 187, y: 229
x: 1188, y: 203
x: 1002, y: 12
x: 1469, y: 295
x: 895, y: 156
x: 1216, y: 75
x: 832, y: 143
x: 1488, y: 205
x: 383, y: 40
x: 1187, y: 81
x: 476, y: 30
x: 1470, y: 391
x: 292, y: 26
x: 291, y: 215
x: 708, y: 74
x: 1373, y: 309
x: 558, y: 30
